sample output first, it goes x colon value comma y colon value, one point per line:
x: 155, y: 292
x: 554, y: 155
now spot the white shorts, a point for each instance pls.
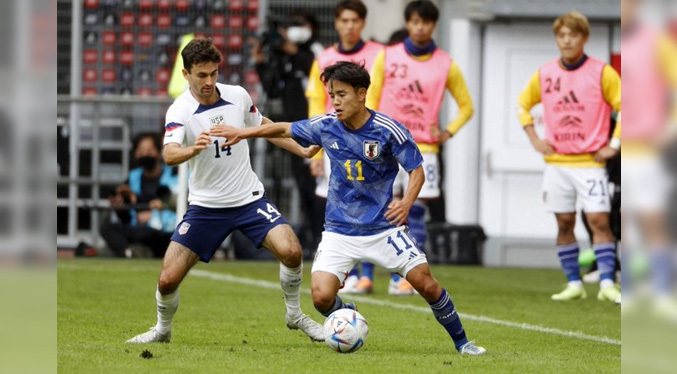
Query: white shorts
x: 431, y: 185
x: 322, y: 183
x: 392, y: 249
x: 563, y: 186
x: 646, y: 183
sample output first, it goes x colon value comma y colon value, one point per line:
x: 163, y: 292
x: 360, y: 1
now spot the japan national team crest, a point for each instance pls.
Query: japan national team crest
x: 371, y: 149
x: 183, y: 229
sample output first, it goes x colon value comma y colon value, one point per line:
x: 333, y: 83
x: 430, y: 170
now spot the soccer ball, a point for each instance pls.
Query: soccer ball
x: 345, y: 331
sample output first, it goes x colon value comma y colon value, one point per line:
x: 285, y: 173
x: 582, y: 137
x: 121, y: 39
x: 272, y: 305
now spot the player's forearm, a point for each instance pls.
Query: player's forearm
x: 289, y: 145
x: 274, y: 130
x: 416, y: 179
x: 175, y: 154
x: 531, y: 132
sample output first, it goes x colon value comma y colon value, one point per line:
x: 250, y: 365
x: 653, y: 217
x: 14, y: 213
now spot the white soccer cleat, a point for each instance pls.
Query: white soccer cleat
x: 470, y: 349
x: 401, y: 288
x: 349, y: 285
x: 314, y: 330
x: 152, y: 336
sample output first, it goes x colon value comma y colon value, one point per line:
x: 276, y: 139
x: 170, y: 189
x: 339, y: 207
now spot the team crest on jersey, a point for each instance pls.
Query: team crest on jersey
x: 217, y: 120
x: 183, y: 229
x: 371, y: 149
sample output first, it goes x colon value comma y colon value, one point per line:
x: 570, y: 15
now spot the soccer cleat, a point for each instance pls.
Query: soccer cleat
x: 314, y: 330
x: 571, y: 292
x: 401, y: 288
x: 470, y: 349
x: 364, y: 285
x: 152, y: 336
x: 349, y: 285
x: 609, y: 294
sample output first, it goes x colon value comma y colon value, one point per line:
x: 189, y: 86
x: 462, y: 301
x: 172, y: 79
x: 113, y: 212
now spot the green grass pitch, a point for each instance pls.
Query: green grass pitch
x: 231, y: 320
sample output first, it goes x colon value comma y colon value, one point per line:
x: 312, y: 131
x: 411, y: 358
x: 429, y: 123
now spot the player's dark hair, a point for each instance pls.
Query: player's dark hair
x: 424, y: 8
x: 199, y: 51
x: 155, y: 137
x: 356, y: 6
x: 347, y: 72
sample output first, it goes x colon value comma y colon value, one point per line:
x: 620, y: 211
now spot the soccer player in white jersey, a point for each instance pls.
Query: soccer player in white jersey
x: 362, y: 221
x: 225, y: 194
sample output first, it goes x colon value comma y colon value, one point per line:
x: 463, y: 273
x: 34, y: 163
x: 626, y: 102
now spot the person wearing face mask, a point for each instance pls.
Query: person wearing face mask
x: 144, y: 215
x: 283, y: 58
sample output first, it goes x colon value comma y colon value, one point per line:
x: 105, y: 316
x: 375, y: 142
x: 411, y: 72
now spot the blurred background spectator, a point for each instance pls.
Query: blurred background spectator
x: 144, y: 216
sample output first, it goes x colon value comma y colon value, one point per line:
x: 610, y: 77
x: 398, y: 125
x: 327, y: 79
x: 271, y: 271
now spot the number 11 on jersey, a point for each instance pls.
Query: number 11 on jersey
x: 358, y: 166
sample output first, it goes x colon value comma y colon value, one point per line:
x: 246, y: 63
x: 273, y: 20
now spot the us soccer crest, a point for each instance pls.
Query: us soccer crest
x: 183, y: 229
x: 371, y: 149
x: 217, y: 120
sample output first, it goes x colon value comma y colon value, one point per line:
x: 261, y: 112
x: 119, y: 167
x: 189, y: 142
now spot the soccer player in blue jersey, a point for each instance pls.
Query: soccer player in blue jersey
x: 362, y: 221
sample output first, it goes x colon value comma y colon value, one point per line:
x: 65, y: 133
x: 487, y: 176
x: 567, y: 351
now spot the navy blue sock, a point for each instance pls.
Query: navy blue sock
x: 416, y: 223
x: 662, y: 272
x: 446, y: 315
x: 368, y: 270
x: 338, y: 304
x: 606, y: 260
x: 568, y: 257
x: 354, y: 272
x: 395, y: 277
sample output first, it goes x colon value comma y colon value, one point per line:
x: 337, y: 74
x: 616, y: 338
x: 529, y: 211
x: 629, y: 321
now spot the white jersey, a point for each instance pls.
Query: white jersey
x: 219, y: 178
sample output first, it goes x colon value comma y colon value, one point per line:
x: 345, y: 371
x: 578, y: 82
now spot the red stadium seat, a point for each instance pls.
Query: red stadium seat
x: 145, y: 20
x: 127, y: 38
x: 127, y: 19
x: 89, y: 75
x: 109, y: 38
x: 108, y: 57
x: 90, y: 56
x: 109, y: 75
x: 145, y: 39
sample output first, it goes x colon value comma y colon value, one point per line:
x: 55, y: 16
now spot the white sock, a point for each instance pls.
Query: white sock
x: 166, y: 307
x: 604, y: 283
x: 576, y: 283
x: 290, y: 280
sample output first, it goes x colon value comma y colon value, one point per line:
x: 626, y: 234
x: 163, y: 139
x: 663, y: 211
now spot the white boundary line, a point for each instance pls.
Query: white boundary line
x: 522, y: 326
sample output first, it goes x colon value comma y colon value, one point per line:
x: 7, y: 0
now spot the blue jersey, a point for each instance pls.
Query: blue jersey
x: 364, y: 164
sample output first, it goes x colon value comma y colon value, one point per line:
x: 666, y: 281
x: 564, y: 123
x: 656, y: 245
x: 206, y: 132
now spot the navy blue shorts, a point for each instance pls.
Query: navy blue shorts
x: 202, y: 230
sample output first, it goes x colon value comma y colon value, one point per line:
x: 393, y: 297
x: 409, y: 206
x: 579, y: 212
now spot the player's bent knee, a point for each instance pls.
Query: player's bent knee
x: 429, y: 289
x: 167, y: 284
x: 322, y: 299
x: 292, y: 255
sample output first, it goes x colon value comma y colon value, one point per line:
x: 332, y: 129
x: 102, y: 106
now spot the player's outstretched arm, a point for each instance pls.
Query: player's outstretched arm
x: 398, y: 211
x: 174, y: 153
x: 234, y: 135
x: 290, y: 145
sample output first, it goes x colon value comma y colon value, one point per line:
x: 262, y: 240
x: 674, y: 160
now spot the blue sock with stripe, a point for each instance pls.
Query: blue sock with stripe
x: 354, y: 272
x: 661, y: 272
x: 606, y: 260
x: 445, y: 313
x: 568, y: 258
x: 416, y: 223
x: 368, y: 270
x: 338, y: 304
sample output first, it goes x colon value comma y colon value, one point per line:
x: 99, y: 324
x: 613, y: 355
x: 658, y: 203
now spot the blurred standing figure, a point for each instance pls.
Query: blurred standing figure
x: 578, y: 94
x: 408, y: 84
x: 650, y: 78
x: 349, y: 20
x: 283, y: 58
x: 151, y: 186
